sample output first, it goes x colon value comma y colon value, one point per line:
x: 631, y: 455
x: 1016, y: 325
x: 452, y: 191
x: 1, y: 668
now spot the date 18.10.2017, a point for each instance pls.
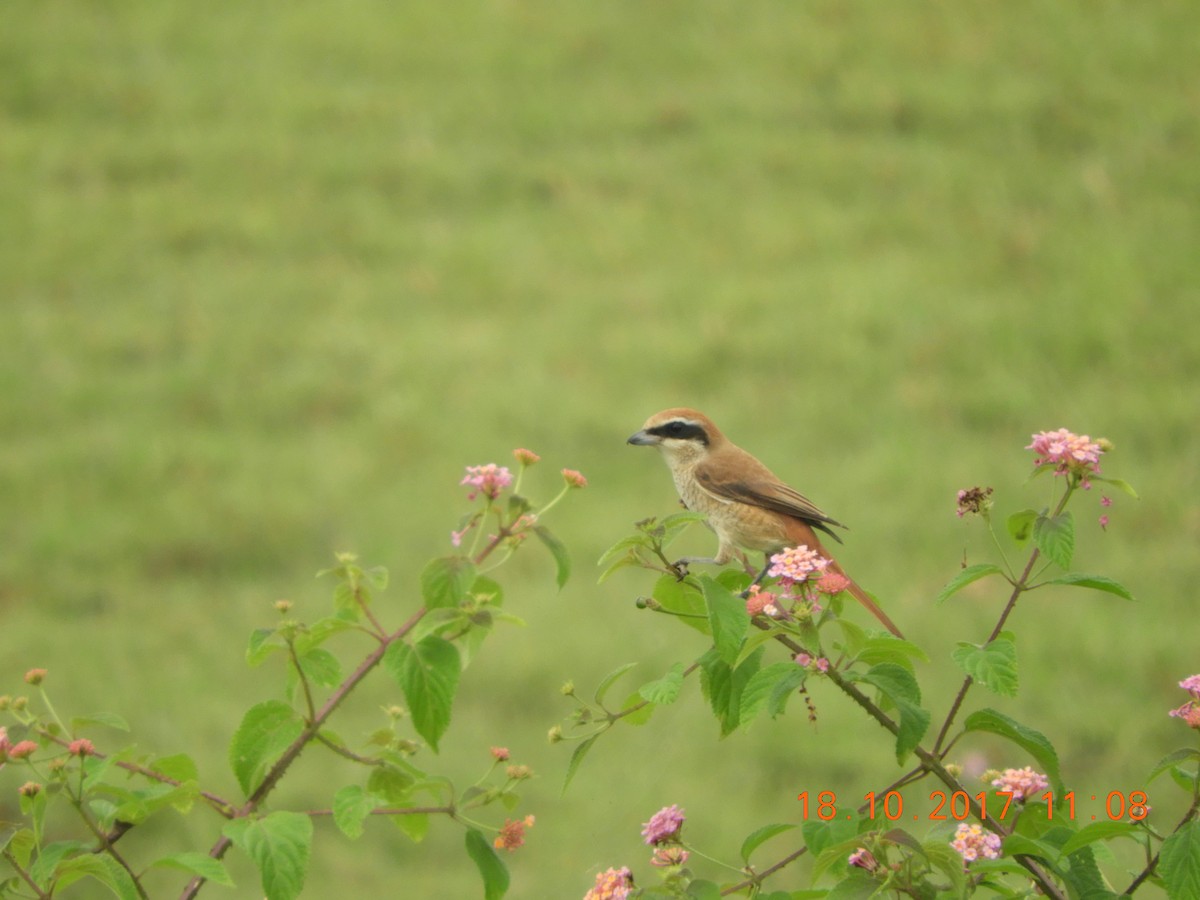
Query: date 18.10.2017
x: 959, y: 805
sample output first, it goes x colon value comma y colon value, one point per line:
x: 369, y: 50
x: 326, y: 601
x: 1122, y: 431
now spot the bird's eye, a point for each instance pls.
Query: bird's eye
x: 674, y: 429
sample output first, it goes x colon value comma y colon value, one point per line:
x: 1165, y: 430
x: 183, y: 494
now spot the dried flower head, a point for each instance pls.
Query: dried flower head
x: 525, y: 457
x: 862, y: 858
x: 512, y: 833
x: 35, y: 676
x: 974, y: 501
x: 670, y: 855
x: 574, y: 479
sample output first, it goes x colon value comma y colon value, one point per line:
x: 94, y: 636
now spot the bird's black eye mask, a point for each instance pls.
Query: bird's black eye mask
x: 681, y: 430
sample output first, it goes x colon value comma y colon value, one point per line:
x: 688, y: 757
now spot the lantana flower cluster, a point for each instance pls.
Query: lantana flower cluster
x: 1190, y: 711
x: 802, y: 575
x: 1022, y: 783
x: 1068, y: 453
x: 971, y: 842
x: 663, y: 833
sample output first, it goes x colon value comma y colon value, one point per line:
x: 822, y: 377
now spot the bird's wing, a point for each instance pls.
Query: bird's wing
x: 765, y: 491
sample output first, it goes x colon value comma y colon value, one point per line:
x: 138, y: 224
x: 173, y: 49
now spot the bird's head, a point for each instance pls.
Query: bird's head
x: 683, y: 435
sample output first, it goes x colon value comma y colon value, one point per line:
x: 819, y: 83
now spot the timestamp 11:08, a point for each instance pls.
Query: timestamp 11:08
x: 960, y: 805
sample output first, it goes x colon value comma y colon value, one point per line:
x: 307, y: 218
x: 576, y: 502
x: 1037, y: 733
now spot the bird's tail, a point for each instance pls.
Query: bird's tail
x: 863, y: 597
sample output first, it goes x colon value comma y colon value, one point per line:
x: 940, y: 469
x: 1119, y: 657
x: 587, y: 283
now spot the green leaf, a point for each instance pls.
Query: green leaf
x: 858, y: 885
x: 770, y: 688
x: 558, y: 550
x: 48, y: 859
x: 760, y: 837
x: 610, y: 679
x: 321, y: 667
x: 266, y: 731
x: 1098, y: 831
x: 1179, y: 861
x: 446, y: 580
x: 415, y: 825
x: 391, y: 784
x: 102, y: 868
x: 351, y: 806
x: 622, y: 548
x: 1055, y: 537
x: 898, y: 685
x: 1020, y: 525
x: 665, y: 690
x: 1033, y: 742
x: 723, y: 686
x: 683, y: 600
x: 643, y: 710
x: 491, y: 867
x: 967, y: 576
x: 261, y: 646
x: 728, y: 617
x: 993, y: 665
x: 377, y: 577
x: 891, y: 649
x: 577, y: 756
x: 703, y: 890
x: 107, y: 719
x: 1119, y: 484
x: 1171, y: 759
x: 179, y: 767
x: 279, y: 844
x: 1095, y: 582
x: 428, y: 673
x: 197, y: 864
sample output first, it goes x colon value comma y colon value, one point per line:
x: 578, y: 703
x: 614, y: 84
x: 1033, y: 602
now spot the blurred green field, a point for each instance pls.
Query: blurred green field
x: 269, y: 277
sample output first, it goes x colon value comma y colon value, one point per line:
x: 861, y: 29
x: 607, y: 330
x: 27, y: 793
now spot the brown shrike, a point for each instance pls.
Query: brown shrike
x: 744, y: 502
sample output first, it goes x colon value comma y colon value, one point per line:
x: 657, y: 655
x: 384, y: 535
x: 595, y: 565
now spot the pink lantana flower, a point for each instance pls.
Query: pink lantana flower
x: 488, y: 480
x: 972, y: 843
x: 574, y: 479
x: 664, y: 826
x: 1067, y: 452
x: 1023, y: 783
x: 612, y: 884
x: 794, y: 565
x: 1190, y: 711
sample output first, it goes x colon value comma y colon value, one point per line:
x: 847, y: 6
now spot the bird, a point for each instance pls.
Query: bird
x: 743, y: 502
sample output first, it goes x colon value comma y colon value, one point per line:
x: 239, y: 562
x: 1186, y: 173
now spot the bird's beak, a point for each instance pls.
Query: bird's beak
x: 642, y: 439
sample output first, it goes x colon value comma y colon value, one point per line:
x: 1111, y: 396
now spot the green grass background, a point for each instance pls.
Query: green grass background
x: 271, y: 275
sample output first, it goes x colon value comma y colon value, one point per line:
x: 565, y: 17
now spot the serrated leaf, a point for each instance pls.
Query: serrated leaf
x: 102, y: 868
x: 760, y: 837
x: 769, y: 688
x: 1171, y: 759
x: 1095, y: 582
x: 321, y: 667
x: 993, y: 665
x: 723, y: 686
x: 491, y: 867
x: 179, y: 767
x: 622, y: 548
x: 428, y: 673
x: 890, y: 649
x: 665, y: 690
x: 967, y: 576
x: 898, y: 685
x: 391, y: 784
x: 351, y: 806
x: 1033, y: 742
x: 1020, y: 525
x: 1054, y: 536
x: 562, y: 559
x: 703, y: 890
x: 728, y: 617
x: 266, y: 731
x: 197, y: 863
x: 1098, y: 831
x: 610, y: 679
x: 279, y: 845
x: 446, y: 580
x: 1179, y: 861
